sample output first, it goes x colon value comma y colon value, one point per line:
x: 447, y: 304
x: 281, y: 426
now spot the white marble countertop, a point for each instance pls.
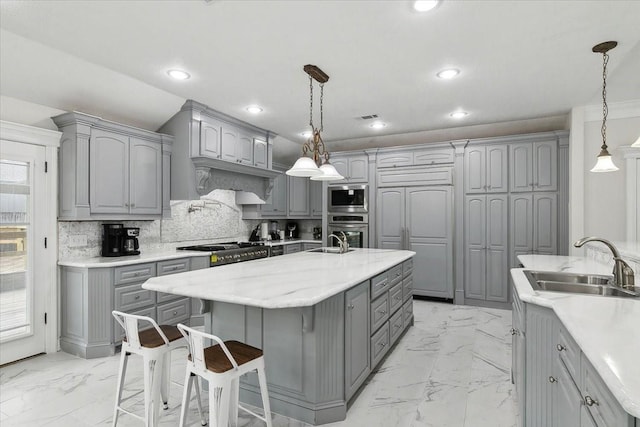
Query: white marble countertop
x: 606, y: 329
x: 297, y: 280
x: 102, y: 262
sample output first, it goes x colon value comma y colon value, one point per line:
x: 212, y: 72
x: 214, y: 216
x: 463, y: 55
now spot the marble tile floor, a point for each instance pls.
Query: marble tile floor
x: 452, y: 368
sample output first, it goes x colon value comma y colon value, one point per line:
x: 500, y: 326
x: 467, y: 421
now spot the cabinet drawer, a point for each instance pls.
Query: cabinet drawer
x: 132, y: 297
x: 395, y: 159
x: 407, y: 267
x: 134, y: 273
x: 407, y: 312
x: 569, y: 353
x: 379, y: 345
x: 608, y: 411
x: 174, y: 312
x: 396, y: 326
x: 161, y: 297
x: 395, y: 275
x: 417, y: 175
x: 293, y: 248
x: 433, y: 157
x: 118, y: 332
x: 379, y: 285
x: 407, y: 288
x: 173, y: 266
x: 395, y: 298
x: 379, y: 311
x: 307, y: 246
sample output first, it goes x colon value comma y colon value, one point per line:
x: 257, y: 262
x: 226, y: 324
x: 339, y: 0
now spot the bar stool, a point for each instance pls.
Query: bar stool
x: 154, y: 345
x: 222, y: 365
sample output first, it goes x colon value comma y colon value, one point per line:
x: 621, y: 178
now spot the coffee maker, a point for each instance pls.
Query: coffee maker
x: 130, y: 241
x: 292, y: 230
x: 112, y: 239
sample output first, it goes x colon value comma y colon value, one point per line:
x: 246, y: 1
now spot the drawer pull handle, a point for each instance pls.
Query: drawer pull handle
x: 383, y: 344
x: 175, y: 312
x: 514, y: 331
x: 382, y: 312
x: 350, y: 306
x: 560, y: 347
x: 552, y: 380
x: 397, y: 298
x: 136, y: 297
x: 591, y: 401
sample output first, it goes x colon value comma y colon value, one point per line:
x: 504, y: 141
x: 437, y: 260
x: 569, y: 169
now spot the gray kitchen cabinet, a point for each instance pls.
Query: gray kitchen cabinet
x: 308, y: 245
x: 420, y: 219
x: 356, y: 338
x: 292, y: 248
x: 354, y: 168
x: 533, y: 224
x: 569, y: 400
x: 486, y: 243
x: 541, y: 379
x: 586, y: 420
x: 126, y: 174
x: 518, y: 346
x: 244, y: 148
x: 486, y: 169
x: 276, y: 205
x: 110, y: 171
x: 260, y: 153
x: 315, y: 198
x: 298, y: 196
x: 210, y: 138
x: 394, y: 158
x: 533, y: 166
x: 229, y: 143
x: 88, y: 295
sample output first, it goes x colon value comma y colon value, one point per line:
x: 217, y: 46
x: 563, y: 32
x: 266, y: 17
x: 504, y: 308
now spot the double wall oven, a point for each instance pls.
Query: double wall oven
x: 349, y: 214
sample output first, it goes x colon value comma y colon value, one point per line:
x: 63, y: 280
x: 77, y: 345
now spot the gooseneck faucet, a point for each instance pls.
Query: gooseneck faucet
x: 622, y: 273
x: 343, y: 242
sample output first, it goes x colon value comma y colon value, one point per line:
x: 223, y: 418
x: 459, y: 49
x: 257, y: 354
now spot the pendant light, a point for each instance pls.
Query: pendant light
x: 604, y: 163
x: 314, y: 162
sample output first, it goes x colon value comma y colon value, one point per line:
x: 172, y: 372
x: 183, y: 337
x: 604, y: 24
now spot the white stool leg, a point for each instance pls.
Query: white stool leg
x: 234, y: 396
x: 148, y: 392
x: 223, y: 410
x: 262, y: 378
x: 186, y: 393
x: 203, y: 420
x: 166, y: 377
x: 156, y: 383
x: 124, y: 357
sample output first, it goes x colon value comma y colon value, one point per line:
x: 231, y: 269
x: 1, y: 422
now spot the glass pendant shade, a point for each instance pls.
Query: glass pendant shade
x: 604, y: 163
x: 329, y: 173
x: 305, y: 167
x: 637, y: 143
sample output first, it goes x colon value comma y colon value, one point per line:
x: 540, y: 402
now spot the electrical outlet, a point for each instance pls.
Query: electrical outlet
x: 77, y: 240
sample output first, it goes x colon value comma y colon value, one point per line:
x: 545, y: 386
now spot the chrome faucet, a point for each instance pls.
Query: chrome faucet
x: 622, y: 273
x: 343, y: 242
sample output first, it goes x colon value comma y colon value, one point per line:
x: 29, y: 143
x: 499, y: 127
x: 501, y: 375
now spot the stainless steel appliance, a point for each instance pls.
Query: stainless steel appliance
x: 349, y: 198
x: 112, y: 240
x: 292, y: 230
x: 130, y: 244
x: 230, y: 253
x: 354, y: 225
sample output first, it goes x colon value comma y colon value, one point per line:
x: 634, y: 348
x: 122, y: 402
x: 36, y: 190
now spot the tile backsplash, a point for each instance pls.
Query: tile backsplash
x: 214, y: 218
x: 630, y: 252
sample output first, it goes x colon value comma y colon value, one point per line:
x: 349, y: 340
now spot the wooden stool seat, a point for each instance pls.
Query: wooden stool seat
x: 218, y: 362
x: 150, y: 338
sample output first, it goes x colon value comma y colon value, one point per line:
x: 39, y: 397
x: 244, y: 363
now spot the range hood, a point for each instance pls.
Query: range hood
x: 248, y: 198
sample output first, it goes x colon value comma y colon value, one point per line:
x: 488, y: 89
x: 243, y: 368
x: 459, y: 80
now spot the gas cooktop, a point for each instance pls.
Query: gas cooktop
x: 230, y: 252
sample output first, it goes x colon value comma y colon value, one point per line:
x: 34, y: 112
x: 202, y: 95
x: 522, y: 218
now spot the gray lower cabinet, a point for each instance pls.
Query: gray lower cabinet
x: 356, y: 338
x: 88, y: 295
x: 568, y: 398
x: 518, y: 346
x: 533, y: 224
x: 309, y: 245
x: 292, y: 248
x: 486, y: 243
x: 318, y: 357
x: 420, y: 219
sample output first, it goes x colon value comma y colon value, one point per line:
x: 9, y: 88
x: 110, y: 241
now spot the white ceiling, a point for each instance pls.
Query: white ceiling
x: 519, y: 60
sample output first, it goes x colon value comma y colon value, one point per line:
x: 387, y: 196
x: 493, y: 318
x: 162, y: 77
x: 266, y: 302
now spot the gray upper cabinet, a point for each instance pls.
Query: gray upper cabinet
x: 244, y: 149
x: 533, y: 225
x: 357, y: 332
x: 395, y: 159
x: 260, y: 153
x: 110, y: 171
x: 534, y: 166
x: 298, y: 195
x: 229, y: 143
x: 276, y: 203
x: 486, y: 169
x: 210, y: 138
x: 315, y: 198
x: 411, y: 157
x: 420, y: 219
x: 486, y: 242
x: 354, y: 168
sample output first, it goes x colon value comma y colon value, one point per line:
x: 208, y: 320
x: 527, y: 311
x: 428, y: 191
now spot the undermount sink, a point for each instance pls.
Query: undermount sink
x: 329, y: 250
x: 591, y: 284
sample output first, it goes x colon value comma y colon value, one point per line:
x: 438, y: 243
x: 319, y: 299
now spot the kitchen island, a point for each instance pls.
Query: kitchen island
x: 323, y: 320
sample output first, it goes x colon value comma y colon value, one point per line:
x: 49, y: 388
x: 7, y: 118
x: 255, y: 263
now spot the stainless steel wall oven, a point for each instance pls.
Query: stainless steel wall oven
x: 354, y: 225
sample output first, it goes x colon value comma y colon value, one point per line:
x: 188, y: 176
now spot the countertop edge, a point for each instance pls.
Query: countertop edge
x: 554, y: 301
x: 107, y: 262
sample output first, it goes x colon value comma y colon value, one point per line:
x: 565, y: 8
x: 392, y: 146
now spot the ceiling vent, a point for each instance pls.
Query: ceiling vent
x: 369, y: 117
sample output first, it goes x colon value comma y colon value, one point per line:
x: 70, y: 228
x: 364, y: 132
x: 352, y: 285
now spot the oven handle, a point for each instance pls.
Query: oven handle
x: 350, y: 226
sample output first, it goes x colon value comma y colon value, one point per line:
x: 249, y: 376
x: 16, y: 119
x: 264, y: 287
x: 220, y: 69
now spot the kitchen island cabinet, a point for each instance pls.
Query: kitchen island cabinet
x: 310, y: 314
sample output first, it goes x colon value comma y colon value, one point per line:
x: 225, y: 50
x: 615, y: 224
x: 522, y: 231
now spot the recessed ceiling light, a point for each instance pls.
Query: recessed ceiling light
x: 425, y: 5
x: 458, y: 114
x: 448, y: 73
x: 178, y: 74
x: 254, y: 109
x: 307, y: 134
x: 377, y: 125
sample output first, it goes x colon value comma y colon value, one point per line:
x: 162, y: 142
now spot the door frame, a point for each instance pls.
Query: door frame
x: 50, y: 140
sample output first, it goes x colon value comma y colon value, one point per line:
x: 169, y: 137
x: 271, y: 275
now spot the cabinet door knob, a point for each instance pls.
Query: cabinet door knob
x: 560, y: 347
x: 552, y: 380
x: 175, y: 313
x: 350, y: 306
x: 136, y: 297
x: 590, y: 401
x: 514, y: 331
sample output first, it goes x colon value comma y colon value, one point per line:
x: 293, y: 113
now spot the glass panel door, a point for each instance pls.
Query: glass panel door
x: 22, y: 225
